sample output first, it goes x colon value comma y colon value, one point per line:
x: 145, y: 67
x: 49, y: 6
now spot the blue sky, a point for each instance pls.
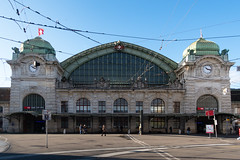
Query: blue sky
x: 168, y: 20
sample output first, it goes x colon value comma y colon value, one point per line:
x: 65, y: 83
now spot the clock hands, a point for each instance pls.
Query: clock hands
x: 33, y: 67
x: 208, y: 69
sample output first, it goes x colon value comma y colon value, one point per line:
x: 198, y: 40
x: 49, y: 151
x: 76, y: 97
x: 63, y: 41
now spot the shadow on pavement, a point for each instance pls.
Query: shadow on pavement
x: 13, y: 156
x: 197, y: 135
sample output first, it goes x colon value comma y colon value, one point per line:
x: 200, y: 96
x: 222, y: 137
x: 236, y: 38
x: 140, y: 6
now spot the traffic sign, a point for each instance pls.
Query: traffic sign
x: 209, y: 113
x: 46, y: 115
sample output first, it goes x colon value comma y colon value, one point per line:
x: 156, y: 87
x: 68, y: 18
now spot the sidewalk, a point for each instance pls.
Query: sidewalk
x: 4, y: 145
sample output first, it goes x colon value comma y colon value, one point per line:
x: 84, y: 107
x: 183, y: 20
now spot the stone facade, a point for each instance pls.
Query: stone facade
x: 196, y: 76
x: 4, y: 108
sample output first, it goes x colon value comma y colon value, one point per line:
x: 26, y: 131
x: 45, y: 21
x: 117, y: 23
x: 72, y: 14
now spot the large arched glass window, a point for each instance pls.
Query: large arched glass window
x: 118, y: 68
x: 207, y: 102
x: 83, y: 105
x: 120, y: 105
x: 33, y: 102
x: 158, y: 106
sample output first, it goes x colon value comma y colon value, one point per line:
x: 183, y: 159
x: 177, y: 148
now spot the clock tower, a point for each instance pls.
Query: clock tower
x: 204, y: 72
x: 35, y: 71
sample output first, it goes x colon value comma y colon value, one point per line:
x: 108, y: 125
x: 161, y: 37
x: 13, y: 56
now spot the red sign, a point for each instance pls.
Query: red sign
x: 209, y: 113
x: 200, y: 108
x: 27, y: 107
x: 239, y: 132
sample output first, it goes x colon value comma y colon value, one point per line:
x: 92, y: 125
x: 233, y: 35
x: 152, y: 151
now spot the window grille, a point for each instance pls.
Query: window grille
x: 158, y: 106
x: 33, y: 102
x: 120, y: 122
x: 120, y: 106
x: 101, y: 106
x: 207, y: 102
x: 64, y: 106
x: 157, y: 122
x: 83, y: 105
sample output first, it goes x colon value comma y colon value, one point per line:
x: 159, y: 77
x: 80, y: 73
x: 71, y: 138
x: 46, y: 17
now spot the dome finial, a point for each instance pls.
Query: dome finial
x: 201, y: 35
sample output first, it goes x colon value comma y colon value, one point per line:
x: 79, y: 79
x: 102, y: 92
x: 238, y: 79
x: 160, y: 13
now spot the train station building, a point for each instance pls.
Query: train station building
x: 120, y: 85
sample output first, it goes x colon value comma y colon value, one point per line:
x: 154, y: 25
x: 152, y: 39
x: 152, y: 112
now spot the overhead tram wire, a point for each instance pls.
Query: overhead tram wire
x: 150, y: 62
x: 14, y: 11
x: 181, y: 20
x: 78, y: 30
x: 119, y: 35
x: 234, y: 59
x: 66, y: 52
x: 171, y: 15
x: 18, y: 13
x: 7, y: 39
x: 16, y: 41
x: 57, y: 22
x: 23, y: 10
x: 203, y: 27
x: 11, y: 4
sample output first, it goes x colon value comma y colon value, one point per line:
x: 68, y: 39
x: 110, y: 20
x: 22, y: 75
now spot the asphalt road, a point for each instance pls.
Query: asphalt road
x: 118, y: 146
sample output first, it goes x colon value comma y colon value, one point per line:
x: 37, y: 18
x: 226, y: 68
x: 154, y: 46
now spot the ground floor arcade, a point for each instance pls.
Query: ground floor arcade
x: 24, y: 122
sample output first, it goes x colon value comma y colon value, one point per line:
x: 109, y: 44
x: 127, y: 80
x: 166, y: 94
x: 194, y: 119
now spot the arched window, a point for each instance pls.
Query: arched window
x: 33, y: 102
x: 120, y: 106
x: 158, y: 106
x: 1, y: 109
x: 83, y: 105
x: 207, y: 102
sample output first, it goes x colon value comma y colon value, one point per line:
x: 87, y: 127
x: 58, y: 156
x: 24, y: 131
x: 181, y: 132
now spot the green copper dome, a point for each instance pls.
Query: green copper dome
x: 37, y: 46
x: 202, y: 47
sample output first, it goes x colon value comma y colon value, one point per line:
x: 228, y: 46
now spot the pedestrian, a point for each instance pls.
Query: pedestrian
x: 103, y: 130
x: 188, y: 130
x: 170, y: 129
x: 84, y: 129
x: 140, y: 129
x: 179, y: 131
x: 121, y: 129
x: 80, y: 129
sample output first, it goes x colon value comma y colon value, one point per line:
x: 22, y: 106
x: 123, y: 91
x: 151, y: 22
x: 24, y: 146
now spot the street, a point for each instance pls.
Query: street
x: 119, y: 146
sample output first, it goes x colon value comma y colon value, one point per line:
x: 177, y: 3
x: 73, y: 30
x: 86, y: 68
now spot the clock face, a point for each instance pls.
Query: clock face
x: 207, y: 69
x: 32, y: 68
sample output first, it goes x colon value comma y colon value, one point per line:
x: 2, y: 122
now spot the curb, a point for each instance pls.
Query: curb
x: 4, y: 145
